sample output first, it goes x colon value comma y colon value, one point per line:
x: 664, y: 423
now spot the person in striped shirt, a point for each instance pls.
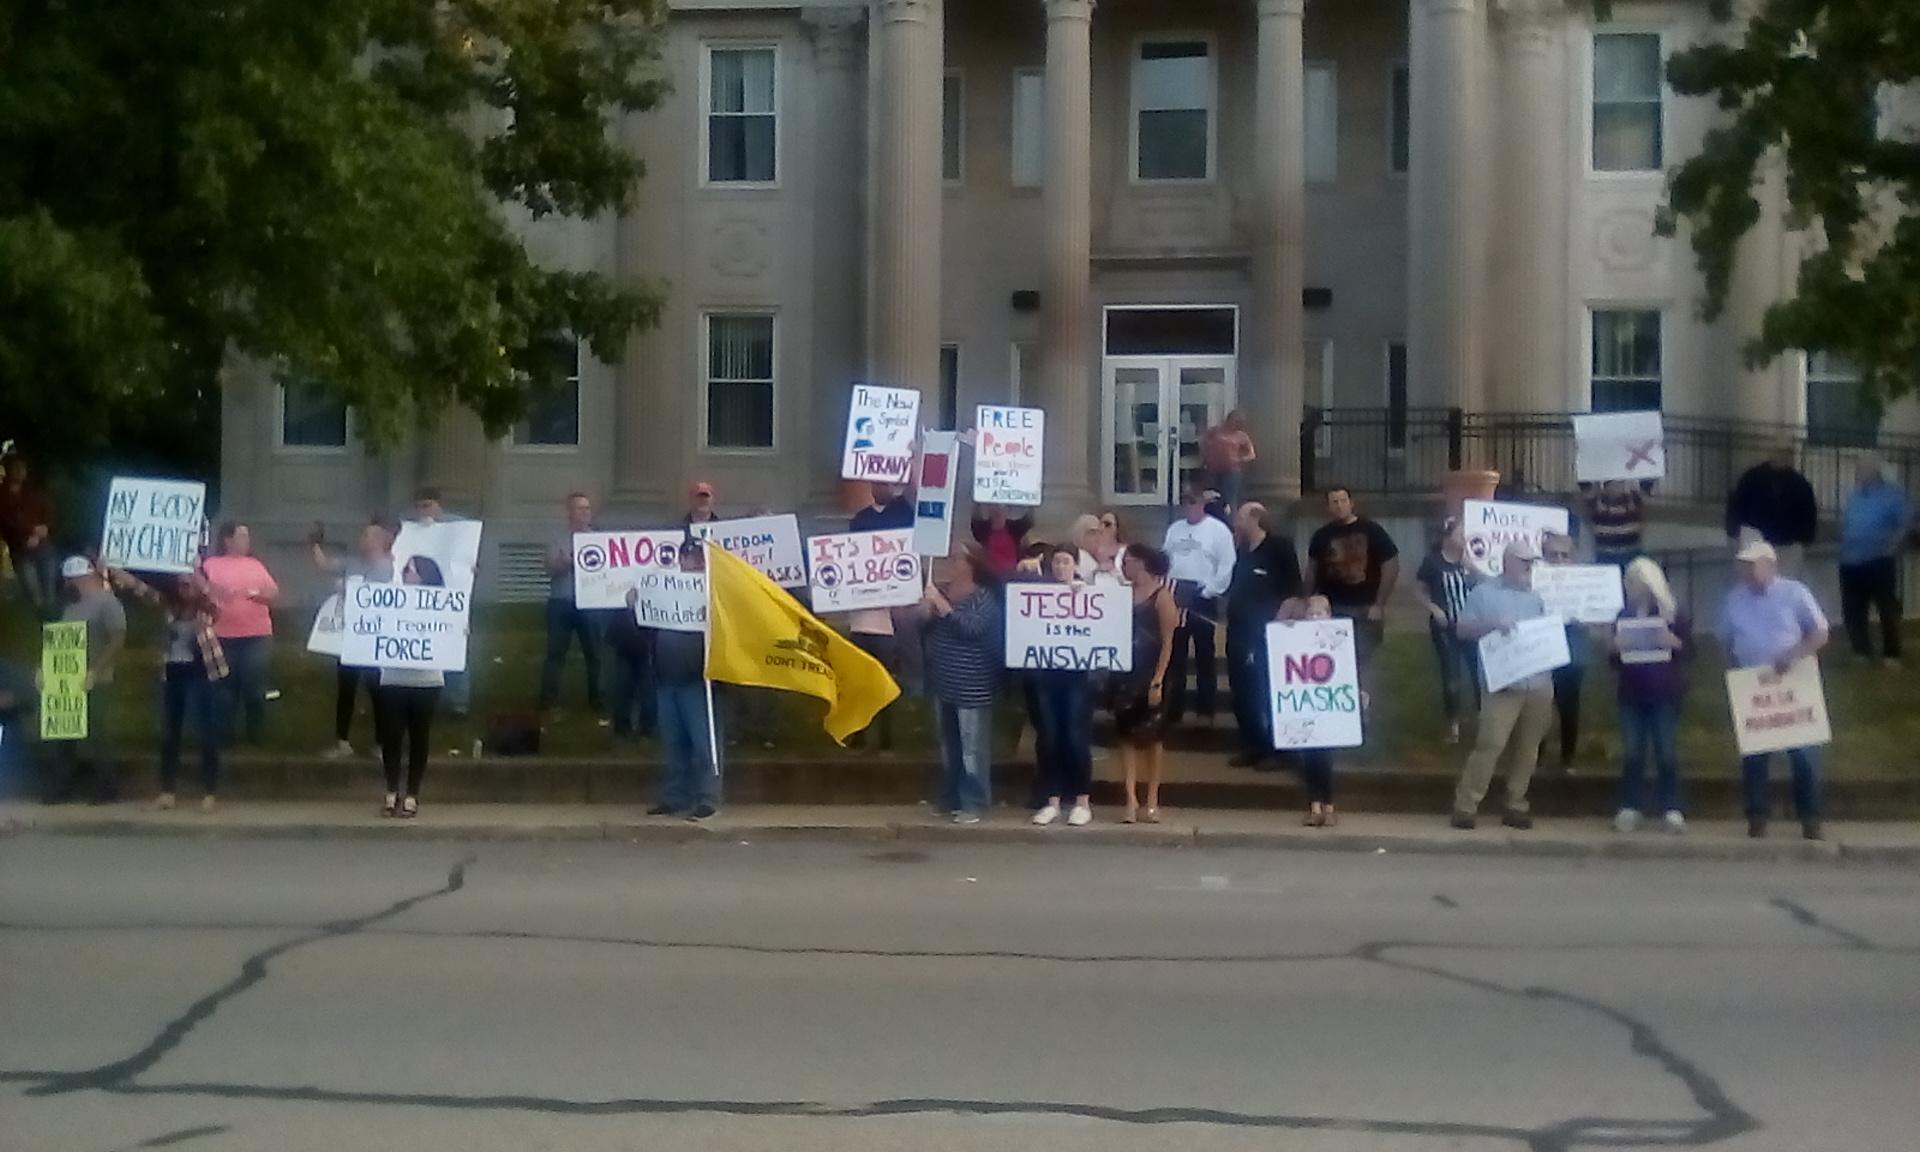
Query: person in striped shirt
x: 1441, y: 585
x: 1617, y: 511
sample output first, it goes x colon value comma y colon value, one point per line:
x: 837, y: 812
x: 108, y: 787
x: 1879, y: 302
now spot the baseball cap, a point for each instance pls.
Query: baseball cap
x: 1523, y: 550
x: 1756, y: 550
x: 75, y: 568
x: 703, y: 489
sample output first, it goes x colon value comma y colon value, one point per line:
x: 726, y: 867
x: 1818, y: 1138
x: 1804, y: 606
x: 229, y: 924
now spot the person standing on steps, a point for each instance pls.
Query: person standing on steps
x: 1266, y: 574
x: 1316, y: 764
x: 408, y: 698
x: 690, y: 782
x: 1514, y: 719
x: 1200, y: 558
x: 962, y: 624
x: 1569, y: 679
x: 1776, y: 501
x: 374, y: 564
x: 1617, y: 511
x: 1653, y: 686
x: 872, y: 629
x: 566, y: 621
x: 86, y: 767
x: 700, y: 507
x: 1225, y: 451
x: 1063, y: 728
x: 1873, y: 526
x: 430, y: 508
x: 1003, y: 538
x: 1139, y: 697
x: 1441, y: 585
x: 26, y: 528
x: 1354, y: 563
x: 192, y: 665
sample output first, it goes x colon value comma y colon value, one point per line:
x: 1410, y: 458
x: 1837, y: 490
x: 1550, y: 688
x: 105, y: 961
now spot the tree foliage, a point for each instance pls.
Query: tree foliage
x: 328, y: 185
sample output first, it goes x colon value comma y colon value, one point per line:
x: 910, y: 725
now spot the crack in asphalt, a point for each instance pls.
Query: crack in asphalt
x: 1807, y: 916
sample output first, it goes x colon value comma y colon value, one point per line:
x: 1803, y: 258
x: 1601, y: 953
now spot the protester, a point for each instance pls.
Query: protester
x: 245, y: 592
x: 1514, y: 719
x: 632, y: 696
x: 193, y: 662
x: 1063, y: 726
x: 1770, y: 621
x: 1569, y: 679
x: 873, y: 630
x: 26, y: 528
x: 1873, y: 526
x: 1139, y: 697
x: 1316, y: 764
x: 1775, y: 500
x: 407, y: 699
x: 19, y: 704
x: 1225, y: 452
x: 566, y: 621
x: 1003, y: 539
x: 964, y: 643
x: 1441, y: 585
x: 1617, y: 511
x: 86, y: 767
x: 690, y: 777
x: 374, y: 564
x: 1266, y: 574
x: 887, y: 509
x: 1098, y: 539
x: 1354, y: 563
x: 1200, y: 556
x: 429, y: 508
x: 700, y: 508
x: 1652, y: 691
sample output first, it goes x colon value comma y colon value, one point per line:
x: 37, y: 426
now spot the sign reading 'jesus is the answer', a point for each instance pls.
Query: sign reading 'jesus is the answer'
x: 1072, y: 628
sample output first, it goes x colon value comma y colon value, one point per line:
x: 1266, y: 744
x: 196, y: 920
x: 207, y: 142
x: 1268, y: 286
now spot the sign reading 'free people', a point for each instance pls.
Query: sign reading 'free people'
x: 1075, y: 628
x: 154, y: 525
x: 414, y: 626
x: 1008, y: 455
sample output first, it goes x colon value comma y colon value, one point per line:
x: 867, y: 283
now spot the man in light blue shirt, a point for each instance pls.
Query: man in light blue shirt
x: 1873, y: 523
x: 1518, y: 715
x: 1769, y: 621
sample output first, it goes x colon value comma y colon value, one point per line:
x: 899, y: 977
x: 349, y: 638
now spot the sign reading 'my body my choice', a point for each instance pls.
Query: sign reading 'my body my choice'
x: 1068, y: 627
x: 154, y: 525
x: 414, y: 626
x: 880, y: 427
x: 1008, y: 455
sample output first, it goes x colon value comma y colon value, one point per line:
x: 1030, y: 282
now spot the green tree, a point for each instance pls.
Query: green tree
x: 329, y: 185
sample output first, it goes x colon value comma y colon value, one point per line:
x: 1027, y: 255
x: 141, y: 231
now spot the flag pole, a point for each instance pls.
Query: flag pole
x: 713, y: 727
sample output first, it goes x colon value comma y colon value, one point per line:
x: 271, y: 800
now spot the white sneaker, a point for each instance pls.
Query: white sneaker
x: 1626, y: 821
x: 965, y: 818
x: 1676, y: 823
x: 1047, y: 815
x: 341, y: 750
x: 1080, y: 817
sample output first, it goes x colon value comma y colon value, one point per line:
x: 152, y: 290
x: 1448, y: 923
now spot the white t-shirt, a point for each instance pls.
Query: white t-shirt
x: 1201, y: 553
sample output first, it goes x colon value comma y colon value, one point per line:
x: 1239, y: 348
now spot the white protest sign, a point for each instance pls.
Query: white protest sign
x: 606, y: 564
x: 1074, y: 627
x: 1490, y: 527
x: 769, y: 543
x: 880, y: 426
x: 416, y: 626
x: 154, y: 525
x: 453, y: 546
x: 1314, y: 672
x: 329, y: 627
x: 1008, y: 455
x: 933, y: 504
x: 1772, y: 713
x: 1534, y: 646
x: 1619, y: 446
x: 1639, y: 641
x: 1582, y: 593
x: 854, y: 570
x: 671, y: 601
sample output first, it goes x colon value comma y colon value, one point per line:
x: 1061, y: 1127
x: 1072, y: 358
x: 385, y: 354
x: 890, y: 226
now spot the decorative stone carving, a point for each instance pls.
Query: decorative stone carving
x: 835, y: 33
x: 739, y: 248
x: 1624, y: 241
x: 891, y: 11
x: 1069, y: 9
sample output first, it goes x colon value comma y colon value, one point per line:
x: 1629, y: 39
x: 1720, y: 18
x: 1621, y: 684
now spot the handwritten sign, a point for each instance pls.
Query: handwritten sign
x: 1490, y: 526
x: 1619, y: 446
x: 1772, y: 713
x: 1064, y: 626
x: 454, y: 546
x: 1582, y: 593
x: 1008, y: 454
x: 63, y: 681
x: 154, y: 525
x: 933, y: 508
x: 854, y: 570
x: 1314, y: 671
x: 406, y: 626
x: 329, y: 631
x: 606, y: 564
x: 671, y: 601
x: 769, y: 543
x: 1533, y: 647
x: 880, y: 426
x: 1639, y: 641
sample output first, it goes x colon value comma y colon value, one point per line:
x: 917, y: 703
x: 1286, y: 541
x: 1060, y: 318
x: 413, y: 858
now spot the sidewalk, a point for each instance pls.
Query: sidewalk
x: 1879, y: 843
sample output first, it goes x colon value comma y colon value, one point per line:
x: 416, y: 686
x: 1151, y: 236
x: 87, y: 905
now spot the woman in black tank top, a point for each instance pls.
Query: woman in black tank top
x: 1139, y: 714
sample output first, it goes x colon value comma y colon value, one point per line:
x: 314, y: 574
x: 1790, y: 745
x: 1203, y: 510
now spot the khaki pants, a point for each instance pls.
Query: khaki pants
x: 1514, y: 722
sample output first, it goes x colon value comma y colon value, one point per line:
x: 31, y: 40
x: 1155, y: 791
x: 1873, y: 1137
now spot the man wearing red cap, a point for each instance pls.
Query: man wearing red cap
x: 700, y: 505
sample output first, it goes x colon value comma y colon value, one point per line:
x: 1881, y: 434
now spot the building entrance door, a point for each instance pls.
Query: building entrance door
x: 1157, y: 408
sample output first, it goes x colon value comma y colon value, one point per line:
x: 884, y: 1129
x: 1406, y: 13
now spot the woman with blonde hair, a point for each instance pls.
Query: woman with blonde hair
x: 1096, y: 536
x: 1652, y: 646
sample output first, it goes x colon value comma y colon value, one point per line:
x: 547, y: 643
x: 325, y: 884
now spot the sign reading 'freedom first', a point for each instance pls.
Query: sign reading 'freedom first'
x: 1076, y: 628
x: 769, y: 543
x: 154, y: 525
x: 413, y: 626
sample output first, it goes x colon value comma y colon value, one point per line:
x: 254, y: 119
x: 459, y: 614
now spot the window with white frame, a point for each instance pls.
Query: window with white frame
x: 953, y: 127
x: 1323, y: 124
x: 1628, y: 117
x: 1400, y: 118
x: 310, y: 417
x: 1029, y: 127
x: 1837, y: 414
x: 1625, y: 374
x: 553, y: 420
x: 742, y: 115
x: 740, y: 380
x: 1173, y: 100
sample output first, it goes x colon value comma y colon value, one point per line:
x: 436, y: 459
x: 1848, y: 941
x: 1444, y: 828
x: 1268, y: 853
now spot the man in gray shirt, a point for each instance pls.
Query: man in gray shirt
x: 565, y: 621
x: 1514, y: 719
x: 85, y: 767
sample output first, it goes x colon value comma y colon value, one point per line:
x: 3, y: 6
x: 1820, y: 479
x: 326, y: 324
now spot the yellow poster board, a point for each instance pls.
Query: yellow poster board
x: 63, y: 681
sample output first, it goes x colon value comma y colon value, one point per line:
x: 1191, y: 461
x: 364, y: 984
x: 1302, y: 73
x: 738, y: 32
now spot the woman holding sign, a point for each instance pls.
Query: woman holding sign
x: 1652, y: 644
x: 1316, y: 764
x: 406, y: 702
x: 245, y: 591
x: 194, y: 665
x: 1063, y: 722
x: 1139, y: 703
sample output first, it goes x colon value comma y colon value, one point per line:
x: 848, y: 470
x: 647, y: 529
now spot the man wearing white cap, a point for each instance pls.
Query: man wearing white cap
x: 88, y: 770
x: 1769, y: 621
x: 1515, y: 719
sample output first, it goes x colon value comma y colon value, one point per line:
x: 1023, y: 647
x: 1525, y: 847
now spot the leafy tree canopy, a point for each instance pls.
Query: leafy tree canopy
x: 327, y: 185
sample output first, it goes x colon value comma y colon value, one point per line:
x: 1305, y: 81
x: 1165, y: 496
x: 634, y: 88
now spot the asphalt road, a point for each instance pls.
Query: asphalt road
x: 223, y: 995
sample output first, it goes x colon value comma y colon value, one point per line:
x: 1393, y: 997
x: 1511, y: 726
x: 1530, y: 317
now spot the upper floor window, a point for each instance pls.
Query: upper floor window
x: 1626, y: 373
x: 1029, y: 127
x: 742, y: 119
x: 1628, y: 120
x: 953, y: 127
x: 1400, y: 118
x: 1173, y: 100
x: 1323, y: 124
x: 310, y: 417
x: 1837, y: 416
x: 740, y: 381
x: 553, y: 421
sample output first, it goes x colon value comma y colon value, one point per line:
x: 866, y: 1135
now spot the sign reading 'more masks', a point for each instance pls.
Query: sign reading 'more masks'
x: 412, y: 626
x: 880, y: 426
x: 154, y: 525
x: 1490, y: 526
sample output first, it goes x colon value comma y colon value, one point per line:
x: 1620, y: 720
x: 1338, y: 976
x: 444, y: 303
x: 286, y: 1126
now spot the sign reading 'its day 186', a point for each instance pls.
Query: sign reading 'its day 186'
x: 606, y: 564
x: 1073, y: 628
x: 769, y: 543
x: 412, y: 626
x: 154, y: 525
x: 1008, y: 455
x: 855, y: 570
x: 880, y: 427
x: 1315, y: 674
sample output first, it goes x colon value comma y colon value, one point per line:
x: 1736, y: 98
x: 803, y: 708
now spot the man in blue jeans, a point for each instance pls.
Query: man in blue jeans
x: 690, y: 778
x: 566, y: 621
x: 1769, y: 621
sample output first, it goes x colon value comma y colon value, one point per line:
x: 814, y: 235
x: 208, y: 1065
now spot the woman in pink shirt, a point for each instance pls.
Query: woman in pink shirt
x: 245, y: 592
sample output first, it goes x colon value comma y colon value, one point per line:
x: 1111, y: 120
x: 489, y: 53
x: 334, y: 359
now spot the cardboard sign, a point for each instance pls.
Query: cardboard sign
x: 1535, y: 646
x: 329, y: 632
x: 1074, y: 627
x: 880, y: 427
x: 1638, y: 640
x: 1772, y: 713
x: 1314, y: 673
x: 1619, y: 446
x: 454, y: 546
x: 411, y: 626
x: 933, y: 506
x: 63, y: 681
x: 1582, y: 593
x: 154, y: 525
x: 1008, y: 454
x: 855, y: 570
x: 671, y: 601
x: 606, y: 564
x: 1491, y: 526
x: 769, y: 543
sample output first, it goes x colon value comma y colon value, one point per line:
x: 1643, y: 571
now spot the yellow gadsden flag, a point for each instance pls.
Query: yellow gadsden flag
x: 759, y: 636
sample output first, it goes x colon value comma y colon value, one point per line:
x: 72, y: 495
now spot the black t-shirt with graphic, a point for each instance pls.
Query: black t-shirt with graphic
x: 1347, y: 559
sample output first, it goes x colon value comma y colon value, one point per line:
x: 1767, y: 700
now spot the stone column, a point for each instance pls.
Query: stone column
x: 839, y: 267
x: 1445, y: 258
x: 907, y: 214
x: 1530, y: 248
x: 454, y: 457
x: 1280, y: 258
x: 1067, y: 330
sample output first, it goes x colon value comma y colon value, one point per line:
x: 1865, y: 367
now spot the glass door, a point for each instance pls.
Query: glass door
x: 1205, y: 396
x: 1157, y: 410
